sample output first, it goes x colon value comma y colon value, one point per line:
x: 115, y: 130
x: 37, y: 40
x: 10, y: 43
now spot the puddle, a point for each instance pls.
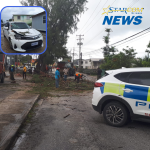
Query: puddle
x: 20, y: 139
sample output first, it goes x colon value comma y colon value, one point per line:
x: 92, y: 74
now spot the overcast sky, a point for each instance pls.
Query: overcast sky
x: 90, y: 25
x: 8, y: 12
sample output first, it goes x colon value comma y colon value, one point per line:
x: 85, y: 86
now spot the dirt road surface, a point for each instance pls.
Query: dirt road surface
x: 6, y: 47
x: 68, y: 121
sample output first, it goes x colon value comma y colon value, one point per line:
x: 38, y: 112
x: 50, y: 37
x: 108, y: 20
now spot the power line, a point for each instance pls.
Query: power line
x: 90, y: 16
x: 121, y: 40
x: 107, y: 25
x: 133, y: 38
x: 97, y: 21
x: 96, y: 14
x: 130, y: 36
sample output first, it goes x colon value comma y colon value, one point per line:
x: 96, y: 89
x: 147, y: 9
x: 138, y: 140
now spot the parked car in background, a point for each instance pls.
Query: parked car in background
x: 21, y: 37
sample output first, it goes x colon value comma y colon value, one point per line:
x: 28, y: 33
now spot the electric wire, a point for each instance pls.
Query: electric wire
x: 106, y: 26
x: 90, y: 16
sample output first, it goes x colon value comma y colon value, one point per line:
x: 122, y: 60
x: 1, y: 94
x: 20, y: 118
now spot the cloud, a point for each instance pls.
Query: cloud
x: 8, y: 12
x: 94, y: 31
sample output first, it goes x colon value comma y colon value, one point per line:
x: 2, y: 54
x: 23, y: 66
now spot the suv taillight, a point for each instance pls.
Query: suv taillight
x: 96, y: 84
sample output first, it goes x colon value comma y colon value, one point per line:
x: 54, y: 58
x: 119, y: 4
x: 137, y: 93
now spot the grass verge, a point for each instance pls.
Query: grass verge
x: 43, y: 85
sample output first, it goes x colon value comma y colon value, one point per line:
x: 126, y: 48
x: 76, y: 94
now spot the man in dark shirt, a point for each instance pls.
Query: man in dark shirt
x: 11, y: 71
x: 99, y: 71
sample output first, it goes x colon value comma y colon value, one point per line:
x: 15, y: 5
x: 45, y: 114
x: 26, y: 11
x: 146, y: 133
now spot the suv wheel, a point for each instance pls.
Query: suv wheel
x: 115, y: 114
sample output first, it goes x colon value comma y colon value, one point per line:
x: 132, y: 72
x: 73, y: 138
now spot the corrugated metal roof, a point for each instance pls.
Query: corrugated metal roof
x: 39, y: 14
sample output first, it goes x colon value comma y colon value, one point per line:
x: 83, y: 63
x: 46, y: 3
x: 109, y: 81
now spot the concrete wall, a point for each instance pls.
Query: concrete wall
x: 37, y: 22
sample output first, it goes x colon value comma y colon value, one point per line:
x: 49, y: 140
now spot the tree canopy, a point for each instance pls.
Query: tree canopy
x: 62, y: 18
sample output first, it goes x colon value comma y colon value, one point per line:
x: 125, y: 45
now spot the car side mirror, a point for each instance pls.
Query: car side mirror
x: 6, y: 28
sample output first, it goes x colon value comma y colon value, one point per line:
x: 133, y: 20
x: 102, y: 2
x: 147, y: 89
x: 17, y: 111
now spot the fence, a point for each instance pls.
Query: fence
x: 91, y: 71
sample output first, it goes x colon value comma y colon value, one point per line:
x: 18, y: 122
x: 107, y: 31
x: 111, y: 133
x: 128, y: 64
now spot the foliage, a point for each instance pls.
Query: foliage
x: 122, y: 59
x: 44, y: 85
x: 143, y: 62
x: 107, y: 50
x: 30, y: 24
x: 25, y: 59
x: 62, y: 17
x: 1, y: 21
x: 10, y: 19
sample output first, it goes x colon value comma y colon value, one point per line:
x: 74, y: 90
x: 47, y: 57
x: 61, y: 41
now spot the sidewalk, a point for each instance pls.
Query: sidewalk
x: 13, y: 110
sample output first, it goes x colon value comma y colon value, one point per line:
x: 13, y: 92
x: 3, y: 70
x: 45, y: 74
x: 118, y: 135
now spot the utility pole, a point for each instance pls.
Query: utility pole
x: 80, y: 43
x: 73, y: 56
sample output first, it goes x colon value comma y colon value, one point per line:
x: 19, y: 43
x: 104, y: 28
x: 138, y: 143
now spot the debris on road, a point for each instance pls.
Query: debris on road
x: 67, y: 116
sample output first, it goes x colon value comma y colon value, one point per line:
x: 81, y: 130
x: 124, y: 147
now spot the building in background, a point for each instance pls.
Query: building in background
x: 22, y: 18
x: 92, y: 63
x: 39, y: 21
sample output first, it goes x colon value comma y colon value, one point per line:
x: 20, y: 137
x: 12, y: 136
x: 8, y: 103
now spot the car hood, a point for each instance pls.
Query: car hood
x: 27, y: 32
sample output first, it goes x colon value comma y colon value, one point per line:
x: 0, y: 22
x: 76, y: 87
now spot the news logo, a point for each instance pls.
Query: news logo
x: 124, y: 20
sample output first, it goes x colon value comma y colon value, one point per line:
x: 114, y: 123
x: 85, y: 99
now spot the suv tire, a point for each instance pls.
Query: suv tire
x: 115, y: 114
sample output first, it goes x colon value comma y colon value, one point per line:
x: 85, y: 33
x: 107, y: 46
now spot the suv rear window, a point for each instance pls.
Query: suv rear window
x: 142, y: 78
x: 122, y: 76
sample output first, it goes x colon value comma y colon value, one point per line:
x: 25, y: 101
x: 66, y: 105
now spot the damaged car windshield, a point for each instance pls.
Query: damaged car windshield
x: 19, y: 26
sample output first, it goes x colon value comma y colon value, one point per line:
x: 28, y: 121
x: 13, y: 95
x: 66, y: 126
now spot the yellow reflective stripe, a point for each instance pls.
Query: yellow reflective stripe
x: 148, y: 95
x: 111, y: 88
x: 122, y: 86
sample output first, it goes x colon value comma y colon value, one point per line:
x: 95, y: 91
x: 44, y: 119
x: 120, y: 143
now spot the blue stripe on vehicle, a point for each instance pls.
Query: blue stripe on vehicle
x: 139, y: 92
x: 102, y: 88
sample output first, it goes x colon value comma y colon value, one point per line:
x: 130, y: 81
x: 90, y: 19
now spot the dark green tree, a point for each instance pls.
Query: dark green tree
x: 122, y: 59
x: 107, y: 50
x: 62, y: 18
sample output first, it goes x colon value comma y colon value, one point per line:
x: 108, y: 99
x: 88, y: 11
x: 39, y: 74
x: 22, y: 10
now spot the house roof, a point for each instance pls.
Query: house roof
x: 23, y: 14
x: 39, y: 14
x: 96, y: 59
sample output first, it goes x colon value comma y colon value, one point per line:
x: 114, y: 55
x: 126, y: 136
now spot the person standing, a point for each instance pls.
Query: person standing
x: 57, y: 76
x: 32, y: 70
x: 65, y: 73
x: 99, y: 71
x: 11, y: 71
x: 24, y: 71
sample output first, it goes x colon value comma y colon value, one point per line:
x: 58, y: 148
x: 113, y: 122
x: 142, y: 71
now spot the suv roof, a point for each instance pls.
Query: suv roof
x: 129, y: 70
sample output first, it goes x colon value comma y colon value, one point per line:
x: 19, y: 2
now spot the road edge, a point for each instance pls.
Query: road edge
x: 6, y: 144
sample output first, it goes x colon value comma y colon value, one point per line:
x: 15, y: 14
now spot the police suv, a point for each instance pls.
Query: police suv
x: 123, y: 94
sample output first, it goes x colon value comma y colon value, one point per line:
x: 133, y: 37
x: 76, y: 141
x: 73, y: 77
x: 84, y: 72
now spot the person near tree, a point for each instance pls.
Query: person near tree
x: 65, y: 73
x: 99, y: 71
x: 78, y: 76
x: 57, y: 76
x: 11, y: 71
x: 24, y: 71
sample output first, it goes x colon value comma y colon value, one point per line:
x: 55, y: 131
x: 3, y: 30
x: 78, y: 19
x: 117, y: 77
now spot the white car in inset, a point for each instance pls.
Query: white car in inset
x: 21, y: 37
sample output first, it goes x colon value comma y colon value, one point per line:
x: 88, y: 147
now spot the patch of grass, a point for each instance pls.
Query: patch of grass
x: 43, y: 85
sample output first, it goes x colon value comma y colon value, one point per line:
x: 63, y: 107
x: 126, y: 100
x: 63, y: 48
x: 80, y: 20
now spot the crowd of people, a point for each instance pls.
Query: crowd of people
x: 78, y: 76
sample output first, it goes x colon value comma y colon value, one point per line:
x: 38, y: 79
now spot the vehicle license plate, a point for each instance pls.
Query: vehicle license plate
x: 35, y: 43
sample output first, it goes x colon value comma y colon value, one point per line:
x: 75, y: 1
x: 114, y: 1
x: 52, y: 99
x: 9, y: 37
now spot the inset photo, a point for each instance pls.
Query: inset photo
x: 23, y: 30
